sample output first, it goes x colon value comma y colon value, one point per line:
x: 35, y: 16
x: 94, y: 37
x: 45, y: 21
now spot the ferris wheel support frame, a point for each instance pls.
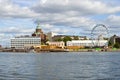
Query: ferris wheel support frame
x: 98, y: 25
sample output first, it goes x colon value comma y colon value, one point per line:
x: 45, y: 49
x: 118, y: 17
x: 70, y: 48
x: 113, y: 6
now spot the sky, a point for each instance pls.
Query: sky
x: 71, y: 17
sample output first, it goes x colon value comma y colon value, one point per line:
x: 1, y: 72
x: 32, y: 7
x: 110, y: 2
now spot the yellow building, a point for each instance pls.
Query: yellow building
x: 57, y: 44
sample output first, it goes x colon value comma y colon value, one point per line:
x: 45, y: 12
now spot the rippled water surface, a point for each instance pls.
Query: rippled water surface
x: 60, y: 66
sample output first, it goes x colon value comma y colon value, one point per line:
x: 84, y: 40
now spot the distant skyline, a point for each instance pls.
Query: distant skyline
x: 76, y: 17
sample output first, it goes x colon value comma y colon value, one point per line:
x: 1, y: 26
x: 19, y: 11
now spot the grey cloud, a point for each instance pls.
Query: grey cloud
x: 75, y: 13
x: 84, y: 7
x: 10, y: 10
x: 16, y: 30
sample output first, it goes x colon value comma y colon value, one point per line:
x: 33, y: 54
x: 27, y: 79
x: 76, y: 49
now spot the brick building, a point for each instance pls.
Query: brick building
x: 39, y: 33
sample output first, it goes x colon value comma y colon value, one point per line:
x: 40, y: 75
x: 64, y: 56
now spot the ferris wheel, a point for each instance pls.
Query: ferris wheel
x: 98, y: 33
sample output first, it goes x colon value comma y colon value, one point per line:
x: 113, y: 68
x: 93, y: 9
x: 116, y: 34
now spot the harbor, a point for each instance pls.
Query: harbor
x: 38, y: 50
x: 59, y: 39
x: 39, y: 42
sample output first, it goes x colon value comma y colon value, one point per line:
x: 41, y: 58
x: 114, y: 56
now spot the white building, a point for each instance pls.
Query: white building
x: 50, y: 35
x: 25, y: 42
x: 59, y: 44
x: 86, y: 43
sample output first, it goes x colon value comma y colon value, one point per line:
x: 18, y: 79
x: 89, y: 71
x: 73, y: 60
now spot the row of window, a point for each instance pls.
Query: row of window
x: 83, y: 44
x: 25, y: 42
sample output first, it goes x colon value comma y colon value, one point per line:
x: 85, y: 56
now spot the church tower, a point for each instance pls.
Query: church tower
x: 39, y: 33
x: 38, y: 29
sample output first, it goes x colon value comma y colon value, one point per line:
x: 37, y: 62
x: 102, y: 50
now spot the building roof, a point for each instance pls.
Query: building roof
x: 25, y: 37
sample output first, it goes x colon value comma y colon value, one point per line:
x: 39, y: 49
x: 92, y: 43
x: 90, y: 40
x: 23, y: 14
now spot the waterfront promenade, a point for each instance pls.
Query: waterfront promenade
x: 58, y: 50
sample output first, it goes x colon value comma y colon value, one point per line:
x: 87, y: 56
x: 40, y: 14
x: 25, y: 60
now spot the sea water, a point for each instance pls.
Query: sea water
x: 60, y: 66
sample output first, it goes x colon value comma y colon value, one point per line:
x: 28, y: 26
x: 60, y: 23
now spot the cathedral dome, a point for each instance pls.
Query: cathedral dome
x: 38, y: 26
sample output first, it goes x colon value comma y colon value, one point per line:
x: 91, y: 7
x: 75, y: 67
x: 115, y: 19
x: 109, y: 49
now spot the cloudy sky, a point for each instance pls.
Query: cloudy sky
x: 75, y: 17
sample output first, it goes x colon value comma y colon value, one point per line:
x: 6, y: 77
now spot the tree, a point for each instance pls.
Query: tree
x: 59, y: 39
x: 116, y: 45
x: 109, y: 43
x: 76, y: 38
x: 66, y: 38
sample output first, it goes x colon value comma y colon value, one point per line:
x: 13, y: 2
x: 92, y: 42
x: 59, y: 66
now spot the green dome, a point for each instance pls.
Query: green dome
x: 38, y: 26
